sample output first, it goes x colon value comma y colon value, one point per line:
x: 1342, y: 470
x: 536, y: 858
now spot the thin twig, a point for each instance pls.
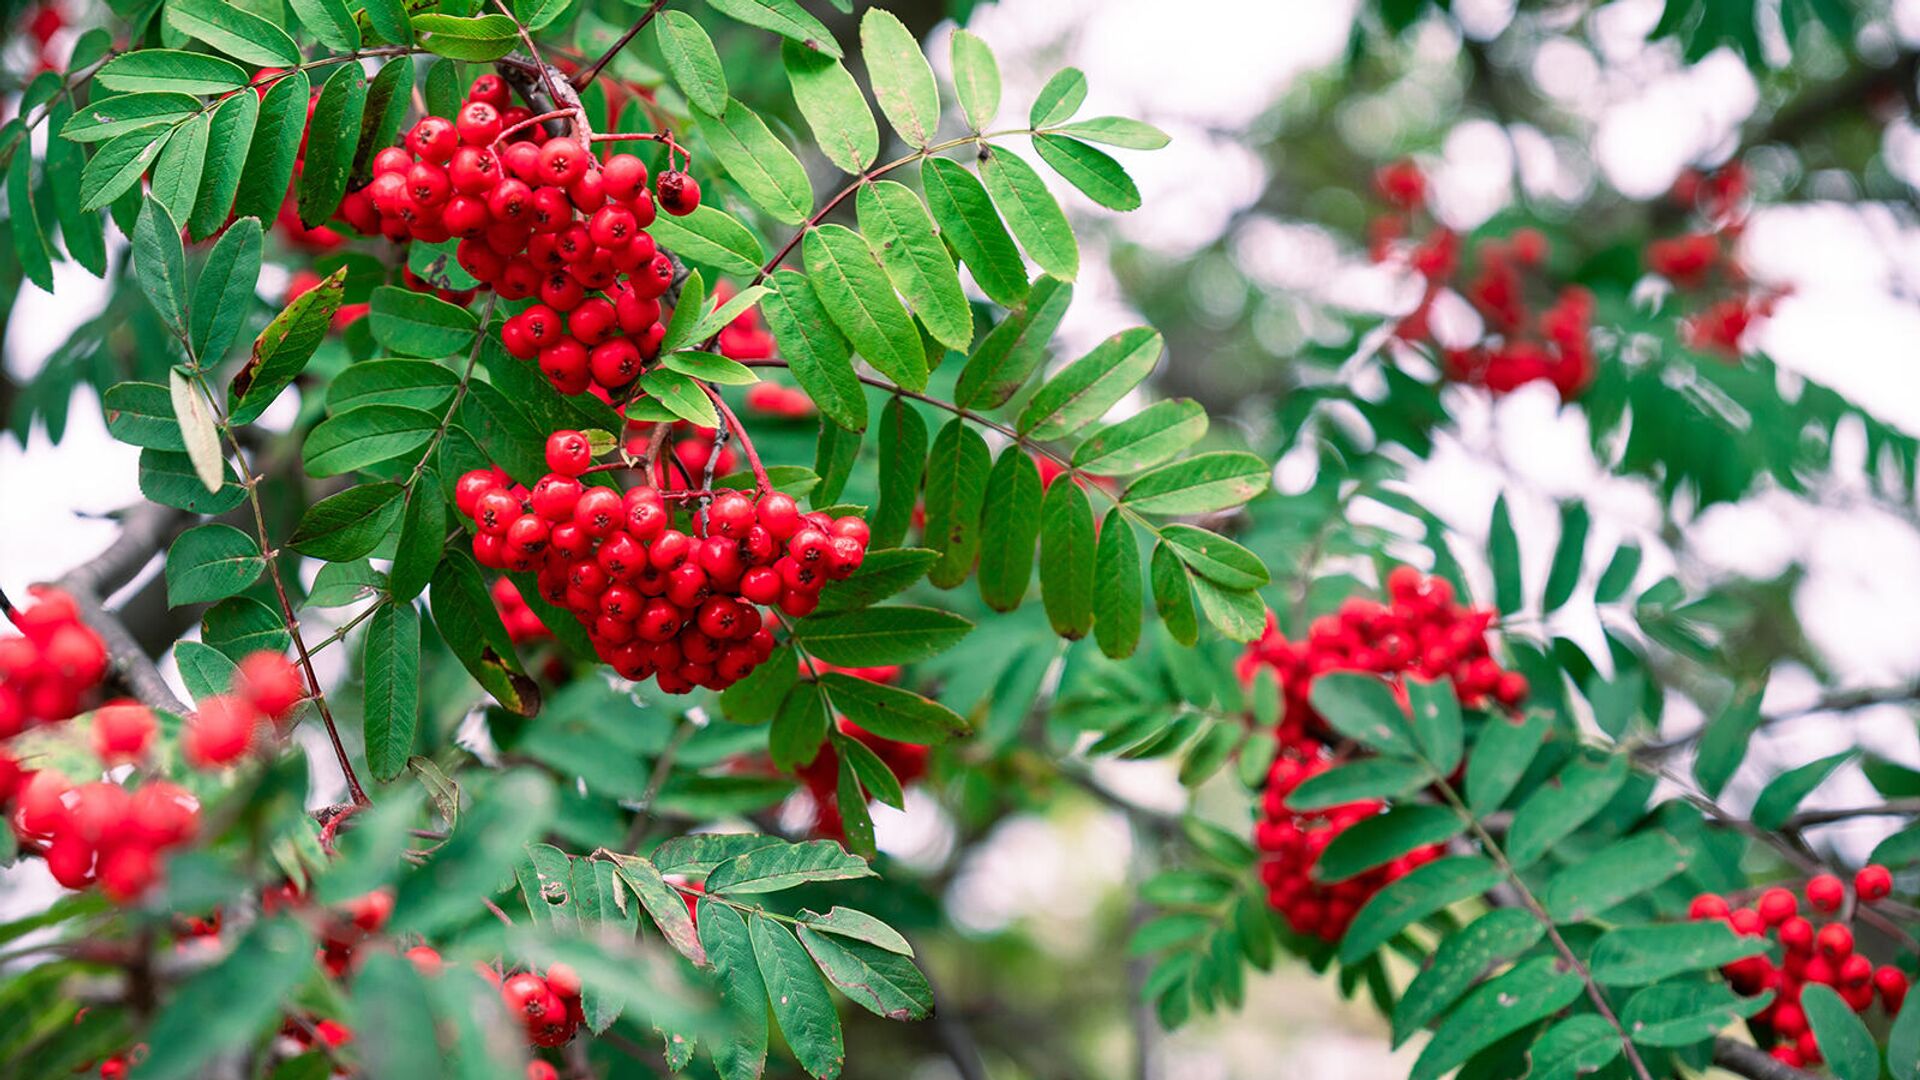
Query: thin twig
x: 592, y: 71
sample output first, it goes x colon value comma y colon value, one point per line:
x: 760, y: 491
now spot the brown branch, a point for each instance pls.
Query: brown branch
x: 1752, y: 1062
x: 592, y: 71
x: 145, y: 531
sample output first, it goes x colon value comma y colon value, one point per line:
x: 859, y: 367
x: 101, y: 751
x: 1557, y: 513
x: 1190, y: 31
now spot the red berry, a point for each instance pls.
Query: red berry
x: 1825, y: 892
x: 433, y: 138
x: 1873, y: 883
x: 679, y: 193
x: 478, y: 123
x: 1777, y: 906
x: 220, y: 733
x: 624, y: 176
x: 569, y: 453
x: 268, y: 680
x: 121, y: 730
x: 562, y: 161
x: 1835, y: 941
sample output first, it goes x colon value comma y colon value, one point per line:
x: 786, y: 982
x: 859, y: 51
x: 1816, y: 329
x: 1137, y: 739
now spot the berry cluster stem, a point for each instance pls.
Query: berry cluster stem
x: 746, y: 443
x: 592, y: 71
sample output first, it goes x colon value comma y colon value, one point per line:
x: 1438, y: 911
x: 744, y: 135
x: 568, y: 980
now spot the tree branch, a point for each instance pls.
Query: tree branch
x: 145, y: 531
x: 1752, y: 1062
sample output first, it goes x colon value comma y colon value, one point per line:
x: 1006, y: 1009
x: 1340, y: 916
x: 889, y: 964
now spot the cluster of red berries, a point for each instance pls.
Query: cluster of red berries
x: 519, y: 619
x: 227, y: 727
x: 821, y: 776
x: 539, y: 217
x: 682, y: 606
x: 1420, y: 631
x: 48, y: 669
x: 1515, y: 348
x: 1808, y: 955
x: 548, y: 1005
x: 44, y: 22
x: 1290, y: 844
x: 102, y: 832
x: 1702, y: 263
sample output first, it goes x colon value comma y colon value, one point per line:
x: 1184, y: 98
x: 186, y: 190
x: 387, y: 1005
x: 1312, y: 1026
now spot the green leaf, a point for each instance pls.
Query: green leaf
x: 423, y: 535
x: 815, y: 352
x: 799, y: 728
x: 1145, y: 439
x: 872, y: 773
x: 389, y: 20
x: 83, y: 233
x: 976, y: 79
x: 799, y: 998
x: 1554, y: 811
x: 1903, y: 1045
x: 878, y: 636
x: 417, y: 384
x: 691, y: 60
x: 241, y: 625
x: 390, y: 658
x: 1215, y: 557
x: 113, y: 116
x: 197, y: 430
x: 540, y: 14
x: 211, y: 562
x: 773, y: 868
x: 1031, y: 212
x: 892, y: 713
x: 464, y: 613
x: 333, y: 136
x: 29, y: 242
x: 858, y: 925
x: 1084, y: 390
x: 900, y: 232
x: 171, y: 71
x: 175, y: 180
x: 1173, y: 595
x: 861, y: 302
x: 168, y: 478
x: 141, y: 414
x: 1528, y: 993
x: 783, y: 17
x: 756, y: 699
x: 722, y: 314
x: 1009, y: 528
x: 883, y: 982
x: 205, y: 669
x: 1093, y: 171
x: 235, y: 31
x: 1364, y: 779
x: 956, y: 486
x: 760, y: 163
x: 1059, y: 99
x: 902, y: 80
x: 1614, y: 875
x: 885, y: 572
x: 390, y: 1013
x: 1379, y: 840
x: 366, y: 436
x: 1500, y: 758
x: 664, y: 906
x: 1200, y: 484
x: 514, y: 811
x: 223, y: 296
x: 968, y: 221
x: 681, y: 396
x: 1617, y: 578
x: 1240, y: 614
x: 1117, y: 593
x: 1424, y: 891
x: 276, y: 145
x: 204, y: 1017
x: 420, y: 324
x: 160, y: 264
x: 1578, y: 1046
x: 1117, y: 131
x: 710, y: 236
x: 902, y: 453
x: 346, y: 525
x: 1567, y: 557
x: 1784, y: 793
x: 330, y: 22
x: 679, y: 326
x: 480, y: 39
x: 1013, y: 349
x: 1362, y: 708
x: 1682, y: 1014
x: 1460, y: 959
x: 118, y: 166
x: 1067, y: 559
x: 833, y: 106
x: 1503, y: 552
x: 282, y: 350
x: 1723, y: 745
x: 388, y: 97
x: 1642, y: 955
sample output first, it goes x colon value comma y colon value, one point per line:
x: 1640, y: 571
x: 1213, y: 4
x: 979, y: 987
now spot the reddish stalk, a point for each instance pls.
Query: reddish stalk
x: 592, y: 72
x: 746, y: 444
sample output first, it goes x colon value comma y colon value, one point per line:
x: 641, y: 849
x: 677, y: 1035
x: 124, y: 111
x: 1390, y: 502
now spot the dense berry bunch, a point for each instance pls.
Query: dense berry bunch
x: 47, y: 670
x: 1515, y: 346
x: 1420, y: 631
x: 680, y: 604
x: 1702, y: 264
x: 1290, y: 844
x: 549, y: 1005
x: 519, y: 619
x: 540, y: 218
x: 226, y: 727
x: 1808, y: 954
